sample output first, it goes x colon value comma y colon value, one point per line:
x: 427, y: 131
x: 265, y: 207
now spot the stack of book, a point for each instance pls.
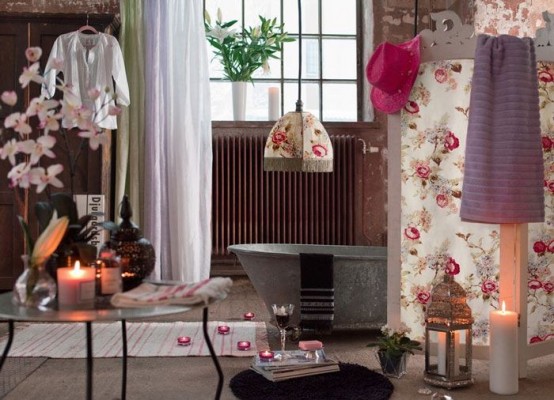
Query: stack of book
x: 294, y: 364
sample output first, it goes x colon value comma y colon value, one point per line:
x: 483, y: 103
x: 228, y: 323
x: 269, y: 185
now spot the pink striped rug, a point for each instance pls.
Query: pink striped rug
x: 144, y: 339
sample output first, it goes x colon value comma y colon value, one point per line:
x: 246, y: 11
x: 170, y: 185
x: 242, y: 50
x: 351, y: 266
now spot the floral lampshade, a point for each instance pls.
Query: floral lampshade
x: 298, y: 142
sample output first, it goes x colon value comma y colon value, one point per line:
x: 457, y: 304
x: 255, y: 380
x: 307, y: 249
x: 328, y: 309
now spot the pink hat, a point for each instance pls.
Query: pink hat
x: 392, y: 70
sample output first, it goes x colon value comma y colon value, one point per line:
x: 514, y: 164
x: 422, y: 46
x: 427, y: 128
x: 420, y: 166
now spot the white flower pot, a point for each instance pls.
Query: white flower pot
x: 239, y: 100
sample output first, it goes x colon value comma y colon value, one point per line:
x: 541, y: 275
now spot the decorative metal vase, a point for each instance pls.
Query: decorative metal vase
x: 137, y: 253
x: 34, y: 288
x: 392, y: 366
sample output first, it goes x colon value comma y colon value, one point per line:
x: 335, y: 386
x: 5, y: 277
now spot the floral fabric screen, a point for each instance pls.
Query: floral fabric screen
x: 435, y: 240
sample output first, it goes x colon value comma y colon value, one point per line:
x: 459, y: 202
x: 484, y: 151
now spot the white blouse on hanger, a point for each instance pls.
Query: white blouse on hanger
x: 89, y: 61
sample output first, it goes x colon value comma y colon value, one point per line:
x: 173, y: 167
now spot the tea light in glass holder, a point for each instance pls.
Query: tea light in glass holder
x: 266, y: 355
x: 249, y: 316
x: 243, y: 345
x: 183, y: 340
x: 223, y: 329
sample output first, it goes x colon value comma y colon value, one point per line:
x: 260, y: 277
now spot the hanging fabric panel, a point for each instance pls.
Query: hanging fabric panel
x: 434, y: 239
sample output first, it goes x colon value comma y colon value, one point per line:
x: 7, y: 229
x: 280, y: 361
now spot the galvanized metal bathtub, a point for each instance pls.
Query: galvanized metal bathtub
x: 360, y: 279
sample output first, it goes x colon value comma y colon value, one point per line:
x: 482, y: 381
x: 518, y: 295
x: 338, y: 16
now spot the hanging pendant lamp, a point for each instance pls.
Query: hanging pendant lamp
x: 298, y: 141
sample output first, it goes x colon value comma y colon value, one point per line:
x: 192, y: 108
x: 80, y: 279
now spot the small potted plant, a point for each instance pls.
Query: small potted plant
x: 393, y: 347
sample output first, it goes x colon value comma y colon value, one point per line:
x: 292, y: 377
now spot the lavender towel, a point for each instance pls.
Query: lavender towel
x: 504, y: 172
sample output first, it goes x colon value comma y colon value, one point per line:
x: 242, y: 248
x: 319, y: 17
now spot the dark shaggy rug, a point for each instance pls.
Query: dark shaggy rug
x: 352, y: 382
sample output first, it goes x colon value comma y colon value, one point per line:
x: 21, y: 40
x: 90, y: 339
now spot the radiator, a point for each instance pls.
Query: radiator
x: 253, y: 206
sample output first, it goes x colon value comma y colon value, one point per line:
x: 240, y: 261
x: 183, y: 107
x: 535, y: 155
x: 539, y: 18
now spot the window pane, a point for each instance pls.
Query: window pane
x: 230, y: 10
x: 268, y: 9
x: 340, y: 100
x: 339, y: 58
x: 257, y: 101
x: 216, y: 70
x: 274, y: 69
x: 310, y: 59
x: 338, y: 17
x: 310, y: 14
x: 222, y: 104
x: 310, y: 97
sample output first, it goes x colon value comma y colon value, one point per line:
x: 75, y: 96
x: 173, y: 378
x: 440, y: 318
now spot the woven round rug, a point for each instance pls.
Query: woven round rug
x: 352, y: 382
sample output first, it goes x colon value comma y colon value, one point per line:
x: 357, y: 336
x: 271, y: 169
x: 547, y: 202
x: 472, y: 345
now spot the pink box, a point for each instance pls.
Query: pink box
x: 310, y: 345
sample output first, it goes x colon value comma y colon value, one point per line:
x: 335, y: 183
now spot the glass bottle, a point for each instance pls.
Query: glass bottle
x: 34, y: 288
x: 108, y: 273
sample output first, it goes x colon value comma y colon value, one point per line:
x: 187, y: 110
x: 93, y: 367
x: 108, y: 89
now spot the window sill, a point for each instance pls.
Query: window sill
x: 269, y: 124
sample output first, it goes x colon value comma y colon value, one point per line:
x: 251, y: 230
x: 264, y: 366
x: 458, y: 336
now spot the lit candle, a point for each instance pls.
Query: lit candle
x: 183, y: 340
x: 76, y: 286
x: 266, y: 355
x: 243, y: 345
x: 273, y: 103
x: 249, y: 316
x: 223, y: 329
x: 503, y: 353
x: 441, y: 353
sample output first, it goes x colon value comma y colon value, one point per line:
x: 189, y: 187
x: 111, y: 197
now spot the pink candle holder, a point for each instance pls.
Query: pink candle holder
x: 249, y: 316
x: 184, y: 340
x: 243, y: 345
x: 223, y: 329
x: 266, y: 355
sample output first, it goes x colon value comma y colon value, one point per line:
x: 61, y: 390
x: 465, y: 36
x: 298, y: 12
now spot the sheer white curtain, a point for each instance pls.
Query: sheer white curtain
x: 178, y: 154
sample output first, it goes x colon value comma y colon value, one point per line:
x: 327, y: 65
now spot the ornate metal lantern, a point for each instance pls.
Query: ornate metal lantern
x: 448, y: 336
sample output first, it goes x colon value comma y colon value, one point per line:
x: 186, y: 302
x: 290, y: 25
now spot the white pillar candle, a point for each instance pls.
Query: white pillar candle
x: 273, y: 103
x: 441, y: 352
x: 456, y: 353
x: 76, y: 287
x: 503, y: 353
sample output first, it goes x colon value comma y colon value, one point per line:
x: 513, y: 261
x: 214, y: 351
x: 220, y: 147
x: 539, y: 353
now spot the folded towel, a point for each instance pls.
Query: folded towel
x: 150, y: 294
x: 317, y: 293
x: 504, y: 171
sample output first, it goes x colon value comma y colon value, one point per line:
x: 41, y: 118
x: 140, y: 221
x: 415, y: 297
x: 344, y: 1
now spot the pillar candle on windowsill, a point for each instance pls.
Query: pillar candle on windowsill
x: 76, y: 287
x: 273, y: 103
x: 503, y: 352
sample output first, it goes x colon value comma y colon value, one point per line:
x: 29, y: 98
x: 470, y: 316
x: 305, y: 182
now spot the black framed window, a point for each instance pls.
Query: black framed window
x: 331, y: 58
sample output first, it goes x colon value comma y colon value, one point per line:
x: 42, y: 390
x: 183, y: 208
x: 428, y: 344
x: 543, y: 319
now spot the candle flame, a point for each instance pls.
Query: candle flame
x: 77, y: 266
x: 503, y: 306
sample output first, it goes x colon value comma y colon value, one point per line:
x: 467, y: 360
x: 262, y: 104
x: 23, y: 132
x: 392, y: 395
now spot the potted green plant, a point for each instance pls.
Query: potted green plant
x: 243, y: 52
x: 393, y: 347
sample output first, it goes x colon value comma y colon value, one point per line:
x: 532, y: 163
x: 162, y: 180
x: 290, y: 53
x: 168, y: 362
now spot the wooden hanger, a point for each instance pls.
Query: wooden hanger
x: 87, y: 27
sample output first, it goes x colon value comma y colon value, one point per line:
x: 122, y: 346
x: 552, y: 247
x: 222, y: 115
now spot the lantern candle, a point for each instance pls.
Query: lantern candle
x: 249, y: 316
x: 503, y: 356
x: 223, y: 329
x: 183, y: 340
x: 266, y: 355
x: 76, y: 286
x: 243, y: 345
x: 441, y: 351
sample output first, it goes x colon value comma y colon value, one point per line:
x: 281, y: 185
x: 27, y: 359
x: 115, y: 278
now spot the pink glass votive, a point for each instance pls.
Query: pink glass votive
x: 266, y: 355
x: 243, y: 345
x: 249, y: 316
x: 223, y: 329
x: 183, y: 340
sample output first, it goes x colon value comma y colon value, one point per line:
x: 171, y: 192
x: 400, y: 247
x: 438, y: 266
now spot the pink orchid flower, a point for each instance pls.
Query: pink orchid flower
x: 18, y: 122
x: 50, y: 123
x: 95, y: 138
x: 30, y: 74
x: 40, y: 107
x: 9, y: 97
x: 10, y: 149
x: 19, y: 175
x: 33, y: 54
x: 42, y: 178
x: 39, y: 148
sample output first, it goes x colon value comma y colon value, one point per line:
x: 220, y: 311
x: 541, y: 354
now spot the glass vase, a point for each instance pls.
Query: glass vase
x: 34, y: 288
x: 392, y: 366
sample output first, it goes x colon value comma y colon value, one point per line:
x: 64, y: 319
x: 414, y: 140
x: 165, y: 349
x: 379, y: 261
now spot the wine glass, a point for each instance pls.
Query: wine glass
x: 282, y: 314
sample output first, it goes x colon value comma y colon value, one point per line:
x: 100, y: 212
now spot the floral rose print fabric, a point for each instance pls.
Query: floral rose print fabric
x: 435, y: 241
